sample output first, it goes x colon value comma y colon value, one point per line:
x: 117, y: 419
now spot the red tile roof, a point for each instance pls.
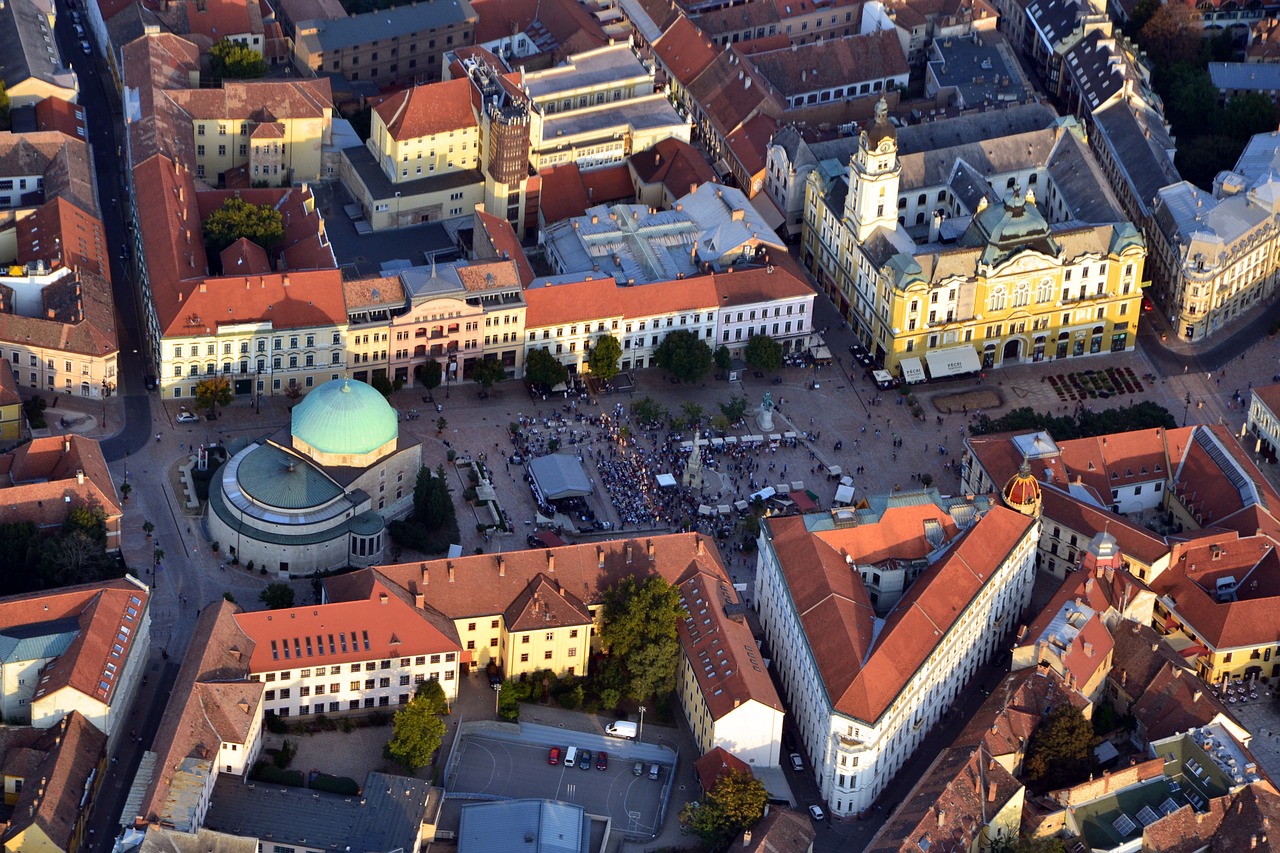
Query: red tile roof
x: 1245, y: 820
x: 1175, y: 701
x: 684, y: 50
x: 62, y: 116
x: 564, y: 195
x: 55, y: 791
x: 758, y: 284
x: 427, y: 110
x: 674, y: 163
x: 219, y: 19
x: 836, y: 612
x: 749, y: 143
x: 716, y: 763
x: 380, y: 625
x: 39, y: 482
x: 257, y: 100
x: 493, y: 237
x: 603, y: 297
x: 728, y: 101
x: 833, y: 62
x: 610, y: 184
x: 780, y: 831
x: 245, y: 257
x: 62, y: 234
x: 212, y: 701
x: 545, y: 603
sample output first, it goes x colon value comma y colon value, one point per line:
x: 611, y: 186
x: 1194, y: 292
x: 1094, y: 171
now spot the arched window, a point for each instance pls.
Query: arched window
x: 998, y: 298
x: 1044, y: 290
x: 1021, y: 295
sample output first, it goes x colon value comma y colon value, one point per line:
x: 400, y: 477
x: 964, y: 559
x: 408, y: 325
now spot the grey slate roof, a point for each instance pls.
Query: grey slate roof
x: 1095, y: 68
x: 27, y: 48
x: 371, y: 26
x: 1139, y: 144
x: 556, y: 827
x: 1054, y: 20
x: 978, y: 70
x: 994, y: 124
x: 1081, y: 183
x: 1250, y: 76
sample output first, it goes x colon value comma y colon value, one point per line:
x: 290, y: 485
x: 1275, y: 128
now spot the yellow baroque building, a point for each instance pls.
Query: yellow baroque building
x: 934, y: 267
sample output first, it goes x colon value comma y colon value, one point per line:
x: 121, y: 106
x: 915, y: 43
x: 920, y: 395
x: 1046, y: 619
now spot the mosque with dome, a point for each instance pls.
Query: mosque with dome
x: 317, y: 495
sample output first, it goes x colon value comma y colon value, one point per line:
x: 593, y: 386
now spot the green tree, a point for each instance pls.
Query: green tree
x: 88, y: 520
x: 430, y: 374
x: 684, y: 355
x: 604, y: 356
x: 693, y: 413
x: 488, y: 372
x: 640, y: 631
x: 723, y: 358
x: 763, y: 353
x: 432, y: 694
x: 236, y: 218
x: 382, y: 385
x: 542, y: 367
x: 736, y: 802
x: 1249, y: 114
x: 76, y: 556
x: 4, y: 107
x: 1059, y: 753
x: 647, y: 410
x: 277, y: 596
x: 734, y: 410
x: 236, y: 61
x: 418, y: 733
x: 213, y: 392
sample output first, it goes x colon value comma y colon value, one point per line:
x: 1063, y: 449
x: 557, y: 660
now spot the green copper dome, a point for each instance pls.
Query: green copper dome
x: 342, y: 417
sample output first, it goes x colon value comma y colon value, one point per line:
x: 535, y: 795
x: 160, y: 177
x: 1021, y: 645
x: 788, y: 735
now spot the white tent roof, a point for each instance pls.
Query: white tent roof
x: 560, y: 476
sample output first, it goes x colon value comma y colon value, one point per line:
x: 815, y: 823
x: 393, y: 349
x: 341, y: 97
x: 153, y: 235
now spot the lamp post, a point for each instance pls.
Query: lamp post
x: 497, y: 698
x: 450, y: 367
x: 1186, y: 409
x: 257, y: 388
x: 640, y: 733
x: 108, y: 387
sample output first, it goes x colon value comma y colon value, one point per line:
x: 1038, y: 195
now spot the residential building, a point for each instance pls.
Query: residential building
x: 781, y: 830
x: 1215, y: 254
x: 274, y: 131
x: 422, y: 160
x: 541, y: 33
x: 876, y: 619
x: 1264, y: 421
x: 950, y: 77
x: 317, y: 495
x: 212, y: 725
x: 1241, y: 820
x: 1131, y: 140
x: 33, y: 65
x: 836, y: 69
x: 389, y: 48
x: 493, y: 239
x: 63, y: 116
x: 266, y: 331
x: 529, y: 610
x: 78, y: 648
x: 922, y: 24
x: 44, y: 165
x: 371, y: 303
x: 1232, y: 79
x: 1263, y: 43
x: 13, y: 423
x: 239, y: 21
x: 42, y: 480
x: 772, y: 302
x: 974, y: 256
x: 668, y: 170
x: 56, y: 776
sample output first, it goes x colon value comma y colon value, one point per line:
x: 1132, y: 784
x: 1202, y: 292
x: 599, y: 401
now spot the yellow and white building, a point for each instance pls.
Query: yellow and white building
x: 1024, y: 260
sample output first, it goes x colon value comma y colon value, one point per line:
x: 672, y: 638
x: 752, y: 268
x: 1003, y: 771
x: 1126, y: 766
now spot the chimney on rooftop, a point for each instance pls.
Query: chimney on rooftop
x: 628, y: 552
x: 502, y: 567
x: 425, y: 578
x: 450, y: 571
x: 551, y: 561
x: 650, y: 549
x: 942, y: 817
x: 599, y: 557
x: 419, y: 601
x: 66, y: 445
x: 80, y: 477
x: 702, y: 548
x: 991, y: 792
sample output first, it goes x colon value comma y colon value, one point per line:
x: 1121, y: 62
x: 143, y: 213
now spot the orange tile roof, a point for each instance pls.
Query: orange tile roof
x: 721, y: 650
x: 62, y: 234
x: 833, y: 62
x: 780, y: 831
x: 758, y: 284
x: 610, y: 184
x: 154, y: 65
x: 382, y: 291
x: 219, y: 19
x: 749, y: 143
x: 212, y: 701
x: 487, y: 275
x: 245, y: 257
x: 729, y: 102
x: 684, y: 50
x: 1005, y: 721
x: 493, y: 237
x: 500, y: 18
x: 1175, y: 701
x: 427, y: 110
x: 39, y: 483
x: 71, y: 755
x: 551, y: 304
x: 257, y: 100
x: 716, y: 763
x: 564, y: 195
x: 380, y: 625
x: 545, y: 603
x: 836, y: 612
x: 1244, y: 820
x: 674, y: 163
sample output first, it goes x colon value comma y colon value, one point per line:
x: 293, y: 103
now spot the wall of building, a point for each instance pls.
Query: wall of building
x: 224, y: 144
x: 270, y: 359
x: 386, y: 683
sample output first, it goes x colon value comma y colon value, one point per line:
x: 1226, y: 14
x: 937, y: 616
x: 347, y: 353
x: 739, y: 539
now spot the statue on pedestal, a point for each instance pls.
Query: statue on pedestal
x: 693, y: 469
x: 765, y: 418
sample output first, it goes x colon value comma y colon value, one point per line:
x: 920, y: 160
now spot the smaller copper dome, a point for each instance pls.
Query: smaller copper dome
x: 1022, y: 492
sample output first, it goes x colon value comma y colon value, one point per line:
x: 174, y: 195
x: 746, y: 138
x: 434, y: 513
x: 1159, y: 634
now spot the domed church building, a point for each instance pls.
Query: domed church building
x: 317, y: 495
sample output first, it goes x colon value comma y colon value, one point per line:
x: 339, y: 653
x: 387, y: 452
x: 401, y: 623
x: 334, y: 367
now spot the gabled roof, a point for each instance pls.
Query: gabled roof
x: 544, y: 603
x: 1245, y: 820
x: 1175, y: 701
x: 39, y: 482
x: 53, y: 793
x: 493, y: 237
x: 63, y: 163
x: 780, y: 831
x: 219, y: 19
x: 62, y: 116
x: 684, y: 50
x: 421, y: 111
x: 674, y: 163
x: 832, y: 63
x: 716, y: 763
x: 550, y: 304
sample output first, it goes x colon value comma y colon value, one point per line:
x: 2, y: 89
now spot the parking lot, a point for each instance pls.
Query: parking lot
x: 495, y: 764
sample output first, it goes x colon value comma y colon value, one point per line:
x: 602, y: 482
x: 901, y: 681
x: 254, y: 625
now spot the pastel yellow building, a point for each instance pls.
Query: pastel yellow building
x: 275, y: 130
x: 930, y: 259
x: 11, y: 420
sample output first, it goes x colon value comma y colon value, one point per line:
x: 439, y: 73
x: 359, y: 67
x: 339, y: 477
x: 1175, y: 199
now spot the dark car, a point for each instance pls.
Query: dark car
x: 584, y: 759
x: 602, y: 761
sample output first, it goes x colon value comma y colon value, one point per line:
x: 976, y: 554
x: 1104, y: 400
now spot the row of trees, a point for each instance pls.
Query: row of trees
x: 35, y: 561
x: 1083, y: 424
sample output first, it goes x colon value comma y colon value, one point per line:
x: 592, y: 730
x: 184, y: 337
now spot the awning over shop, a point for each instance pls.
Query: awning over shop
x: 559, y: 476
x: 666, y: 481
x: 881, y: 377
x: 821, y: 355
x: 912, y: 370
x: 952, y: 361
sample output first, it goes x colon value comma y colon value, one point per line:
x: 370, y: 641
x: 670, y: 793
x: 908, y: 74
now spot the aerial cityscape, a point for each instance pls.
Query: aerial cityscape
x: 579, y: 426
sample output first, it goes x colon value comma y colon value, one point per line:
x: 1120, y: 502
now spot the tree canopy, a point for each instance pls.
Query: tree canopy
x: 433, y: 525
x: 604, y: 356
x: 1059, y: 753
x: 430, y: 374
x: 763, y: 353
x: 542, y: 367
x: 418, y: 733
x: 237, y: 61
x: 236, y: 218
x: 277, y: 596
x: 722, y: 357
x: 487, y: 372
x: 684, y: 355
x: 213, y: 392
x: 647, y: 411
x: 734, y: 410
x: 639, y: 630
x: 1086, y: 424
x: 736, y: 802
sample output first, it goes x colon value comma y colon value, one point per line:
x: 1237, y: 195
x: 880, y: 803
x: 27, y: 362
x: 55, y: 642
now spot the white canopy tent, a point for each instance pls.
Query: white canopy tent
x: 952, y: 361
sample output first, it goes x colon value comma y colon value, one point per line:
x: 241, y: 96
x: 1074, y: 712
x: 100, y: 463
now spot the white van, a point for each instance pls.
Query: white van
x: 621, y: 728
x: 570, y: 756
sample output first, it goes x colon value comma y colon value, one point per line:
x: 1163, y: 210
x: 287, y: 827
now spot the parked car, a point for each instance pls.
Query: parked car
x: 188, y: 418
x: 602, y: 761
x: 638, y: 770
x: 84, y: 48
x: 817, y: 813
x: 553, y: 756
x: 653, y: 771
x: 584, y: 759
x: 797, y: 763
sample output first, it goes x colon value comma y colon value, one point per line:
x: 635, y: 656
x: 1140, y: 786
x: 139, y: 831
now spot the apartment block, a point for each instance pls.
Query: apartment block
x: 877, y: 617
